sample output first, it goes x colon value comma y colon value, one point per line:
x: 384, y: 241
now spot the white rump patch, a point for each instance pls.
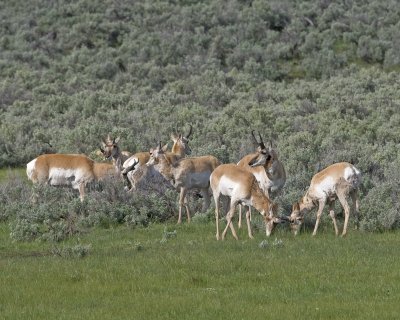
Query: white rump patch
x: 130, y: 162
x: 350, y: 172
x: 30, y: 167
x: 227, y: 186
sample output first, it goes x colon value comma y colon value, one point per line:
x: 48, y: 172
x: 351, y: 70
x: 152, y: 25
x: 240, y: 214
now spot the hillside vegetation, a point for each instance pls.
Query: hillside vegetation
x: 320, y: 79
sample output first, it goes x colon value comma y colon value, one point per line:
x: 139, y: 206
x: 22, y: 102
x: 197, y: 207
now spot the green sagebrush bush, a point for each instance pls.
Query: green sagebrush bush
x: 381, y: 209
x: 53, y: 214
x: 77, y: 251
x: 381, y: 205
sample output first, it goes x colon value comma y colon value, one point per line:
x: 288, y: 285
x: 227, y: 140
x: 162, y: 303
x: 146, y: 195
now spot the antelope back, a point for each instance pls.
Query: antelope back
x: 61, y: 169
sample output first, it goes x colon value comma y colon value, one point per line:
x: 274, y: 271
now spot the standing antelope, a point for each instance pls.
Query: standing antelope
x: 266, y: 167
x: 337, y: 181
x: 111, y: 150
x: 186, y: 174
x: 73, y: 170
x: 242, y: 187
x: 131, y: 167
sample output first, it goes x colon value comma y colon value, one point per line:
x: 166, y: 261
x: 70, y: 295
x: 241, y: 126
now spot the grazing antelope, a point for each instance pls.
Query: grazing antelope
x: 111, y: 150
x: 74, y: 170
x: 337, y: 181
x: 242, y: 187
x: 179, y: 149
x: 266, y: 167
x: 186, y: 174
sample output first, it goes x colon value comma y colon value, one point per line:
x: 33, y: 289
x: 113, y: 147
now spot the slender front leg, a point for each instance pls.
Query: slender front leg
x: 82, y: 191
x: 248, y: 216
x: 229, y: 216
x: 345, y: 205
x: 216, y: 199
x: 332, y: 214
x: 240, y: 217
x: 355, y: 207
x: 181, y: 204
x: 319, y: 213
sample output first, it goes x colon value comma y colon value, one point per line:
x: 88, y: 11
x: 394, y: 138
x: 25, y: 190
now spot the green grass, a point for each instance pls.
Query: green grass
x: 6, y: 173
x: 133, y: 274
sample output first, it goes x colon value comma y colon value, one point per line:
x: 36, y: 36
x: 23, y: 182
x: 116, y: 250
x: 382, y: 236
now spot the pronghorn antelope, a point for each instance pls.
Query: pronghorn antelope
x: 186, y: 174
x: 242, y: 187
x: 74, y: 170
x: 337, y: 181
x: 111, y: 150
x: 131, y: 167
x: 266, y: 167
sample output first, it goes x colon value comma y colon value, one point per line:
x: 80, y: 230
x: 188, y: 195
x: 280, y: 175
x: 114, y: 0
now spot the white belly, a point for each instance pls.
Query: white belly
x: 66, y: 177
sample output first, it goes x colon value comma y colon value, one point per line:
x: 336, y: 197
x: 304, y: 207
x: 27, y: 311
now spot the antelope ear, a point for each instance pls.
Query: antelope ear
x: 116, y: 140
x: 296, y: 207
x: 257, y: 160
x: 165, y: 148
x: 174, y: 137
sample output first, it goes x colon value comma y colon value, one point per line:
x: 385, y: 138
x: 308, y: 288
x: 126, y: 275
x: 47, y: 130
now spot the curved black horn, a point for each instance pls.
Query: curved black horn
x: 262, y: 145
x: 254, y: 137
x: 190, y: 131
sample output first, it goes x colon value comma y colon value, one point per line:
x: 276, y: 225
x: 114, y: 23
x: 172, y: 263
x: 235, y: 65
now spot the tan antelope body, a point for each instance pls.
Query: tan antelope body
x: 267, y: 169
x: 242, y: 187
x: 186, y: 174
x: 133, y: 167
x: 337, y: 181
x: 72, y: 170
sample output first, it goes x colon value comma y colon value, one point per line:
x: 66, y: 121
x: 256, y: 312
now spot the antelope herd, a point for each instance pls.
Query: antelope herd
x: 251, y: 182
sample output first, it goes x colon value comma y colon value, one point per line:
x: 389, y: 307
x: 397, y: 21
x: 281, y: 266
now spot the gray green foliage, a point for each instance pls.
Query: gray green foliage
x: 318, y: 78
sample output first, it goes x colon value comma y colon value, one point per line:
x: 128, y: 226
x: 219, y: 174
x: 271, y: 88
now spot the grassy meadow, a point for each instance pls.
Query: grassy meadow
x: 167, y: 271
x: 318, y: 80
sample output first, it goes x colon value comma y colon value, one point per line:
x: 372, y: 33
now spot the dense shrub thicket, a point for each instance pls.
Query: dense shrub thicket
x: 53, y: 214
x: 318, y: 78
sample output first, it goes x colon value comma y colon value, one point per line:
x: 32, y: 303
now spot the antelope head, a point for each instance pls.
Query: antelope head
x: 266, y: 156
x: 110, y: 147
x: 299, y: 209
x: 156, y: 154
x: 271, y: 220
x: 295, y: 218
x: 181, y: 141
